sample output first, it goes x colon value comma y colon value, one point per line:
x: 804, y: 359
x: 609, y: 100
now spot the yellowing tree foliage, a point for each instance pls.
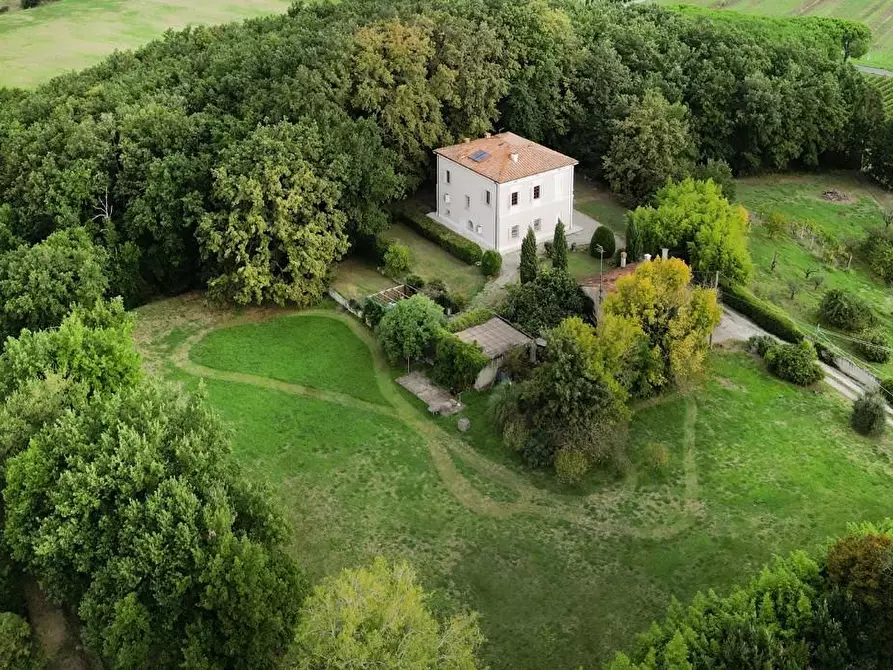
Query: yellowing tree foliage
x: 676, y: 317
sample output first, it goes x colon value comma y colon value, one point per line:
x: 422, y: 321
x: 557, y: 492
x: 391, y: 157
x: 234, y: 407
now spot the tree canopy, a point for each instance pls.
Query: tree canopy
x: 249, y: 156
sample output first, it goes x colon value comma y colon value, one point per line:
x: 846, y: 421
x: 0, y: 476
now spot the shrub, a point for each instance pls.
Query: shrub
x: 559, y: 248
x: 633, y: 239
x: 469, y: 319
x: 409, y: 328
x: 795, y: 363
x: 458, y: 246
x: 529, y: 261
x: 776, y: 224
x: 762, y: 313
x: 415, y: 281
x: 491, y: 263
x: 516, y: 364
x: 457, y: 363
x: 544, y: 302
x: 869, y: 413
x: 878, y: 252
x: 18, y: 649
x: 721, y: 175
x: 604, y: 237
x: 841, y: 309
x: 373, y: 311
x: 378, y: 617
x: 396, y: 260
x: 874, y: 346
x: 571, y: 466
x: 886, y: 388
x: 760, y: 344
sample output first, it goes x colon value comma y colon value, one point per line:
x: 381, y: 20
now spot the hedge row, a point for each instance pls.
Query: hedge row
x: 469, y: 319
x: 464, y: 250
x: 767, y: 316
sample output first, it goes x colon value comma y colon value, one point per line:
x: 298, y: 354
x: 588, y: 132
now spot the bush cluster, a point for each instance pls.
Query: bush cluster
x: 878, y: 252
x: 869, y: 415
x: 469, y: 319
x: 458, y: 246
x: 457, y: 363
x: 874, y: 346
x: 841, y: 309
x: 396, y: 260
x: 491, y: 263
x: 765, y: 315
x: 18, y: 648
x: 796, y: 363
x: 833, y: 610
x: 604, y: 237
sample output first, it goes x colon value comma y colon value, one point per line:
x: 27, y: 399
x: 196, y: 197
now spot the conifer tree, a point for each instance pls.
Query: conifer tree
x: 529, y: 264
x: 559, y: 248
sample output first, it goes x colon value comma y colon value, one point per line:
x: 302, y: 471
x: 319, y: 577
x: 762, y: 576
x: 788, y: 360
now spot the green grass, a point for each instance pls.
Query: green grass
x: 597, y: 201
x: 800, y: 198
x: 430, y: 261
x: 308, y: 350
x: 355, y: 278
x: 567, y: 583
x: 38, y: 44
x: 878, y: 15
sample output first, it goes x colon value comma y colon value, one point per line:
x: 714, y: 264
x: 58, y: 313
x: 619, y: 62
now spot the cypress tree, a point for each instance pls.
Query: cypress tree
x: 529, y: 264
x: 559, y: 248
x: 633, y: 240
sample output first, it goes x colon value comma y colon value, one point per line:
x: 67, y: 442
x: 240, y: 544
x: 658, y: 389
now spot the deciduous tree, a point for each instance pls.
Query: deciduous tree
x: 410, y: 328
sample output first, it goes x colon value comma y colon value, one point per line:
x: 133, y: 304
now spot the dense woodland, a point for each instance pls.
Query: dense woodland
x: 250, y: 157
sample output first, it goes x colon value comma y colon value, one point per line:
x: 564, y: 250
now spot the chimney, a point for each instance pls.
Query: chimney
x: 665, y: 253
x: 623, y: 259
x: 514, y: 157
x: 647, y: 257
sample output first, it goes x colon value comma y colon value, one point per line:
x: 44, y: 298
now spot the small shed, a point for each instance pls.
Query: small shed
x: 496, y: 338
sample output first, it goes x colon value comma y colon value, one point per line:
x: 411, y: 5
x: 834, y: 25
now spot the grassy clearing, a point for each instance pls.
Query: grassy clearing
x: 300, y: 350
x: 430, y: 261
x: 355, y: 278
x: 597, y: 201
x: 877, y: 15
x: 801, y: 198
x: 41, y: 43
x: 575, y: 576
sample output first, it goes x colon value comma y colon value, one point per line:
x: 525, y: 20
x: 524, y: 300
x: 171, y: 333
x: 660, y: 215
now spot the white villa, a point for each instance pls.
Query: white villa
x: 493, y: 189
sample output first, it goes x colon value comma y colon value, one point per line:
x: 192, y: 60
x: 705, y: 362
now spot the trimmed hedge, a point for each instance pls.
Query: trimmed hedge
x: 458, y: 246
x: 762, y: 313
x: 469, y: 319
x: 457, y: 363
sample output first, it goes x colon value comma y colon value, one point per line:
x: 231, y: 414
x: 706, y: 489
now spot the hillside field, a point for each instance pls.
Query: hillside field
x: 561, y: 577
x: 877, y: 14
x: 38, y: 44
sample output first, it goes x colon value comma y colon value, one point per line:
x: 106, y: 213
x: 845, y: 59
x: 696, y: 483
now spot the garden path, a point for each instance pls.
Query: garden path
x: 660, y: 518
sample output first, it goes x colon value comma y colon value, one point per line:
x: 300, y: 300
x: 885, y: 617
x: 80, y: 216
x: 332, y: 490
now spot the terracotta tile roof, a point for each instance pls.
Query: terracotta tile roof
x: 532, y: 158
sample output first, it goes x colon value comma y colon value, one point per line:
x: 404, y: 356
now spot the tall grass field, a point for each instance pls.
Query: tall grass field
x: 40, y: 43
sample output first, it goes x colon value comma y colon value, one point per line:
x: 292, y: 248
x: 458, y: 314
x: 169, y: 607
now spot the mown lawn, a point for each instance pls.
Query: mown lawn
x: 430, y: 262
x: 307, y: 350
x: 41, y: 43
x: 597, y: 201
x: 756, y: 467
x: 356, y: 279
x: 800, y: 198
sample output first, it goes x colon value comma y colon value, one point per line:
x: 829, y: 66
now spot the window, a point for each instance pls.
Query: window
x: 487, y: 197
x: 471, y: 225
x: 536, y: 192
x: 514, y: 232
x: 446, y: 198
x: 448, y: 176
x: 514, y: 198
x: 467, y: 202
x: 537, y: 225
x: 480, y: 230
